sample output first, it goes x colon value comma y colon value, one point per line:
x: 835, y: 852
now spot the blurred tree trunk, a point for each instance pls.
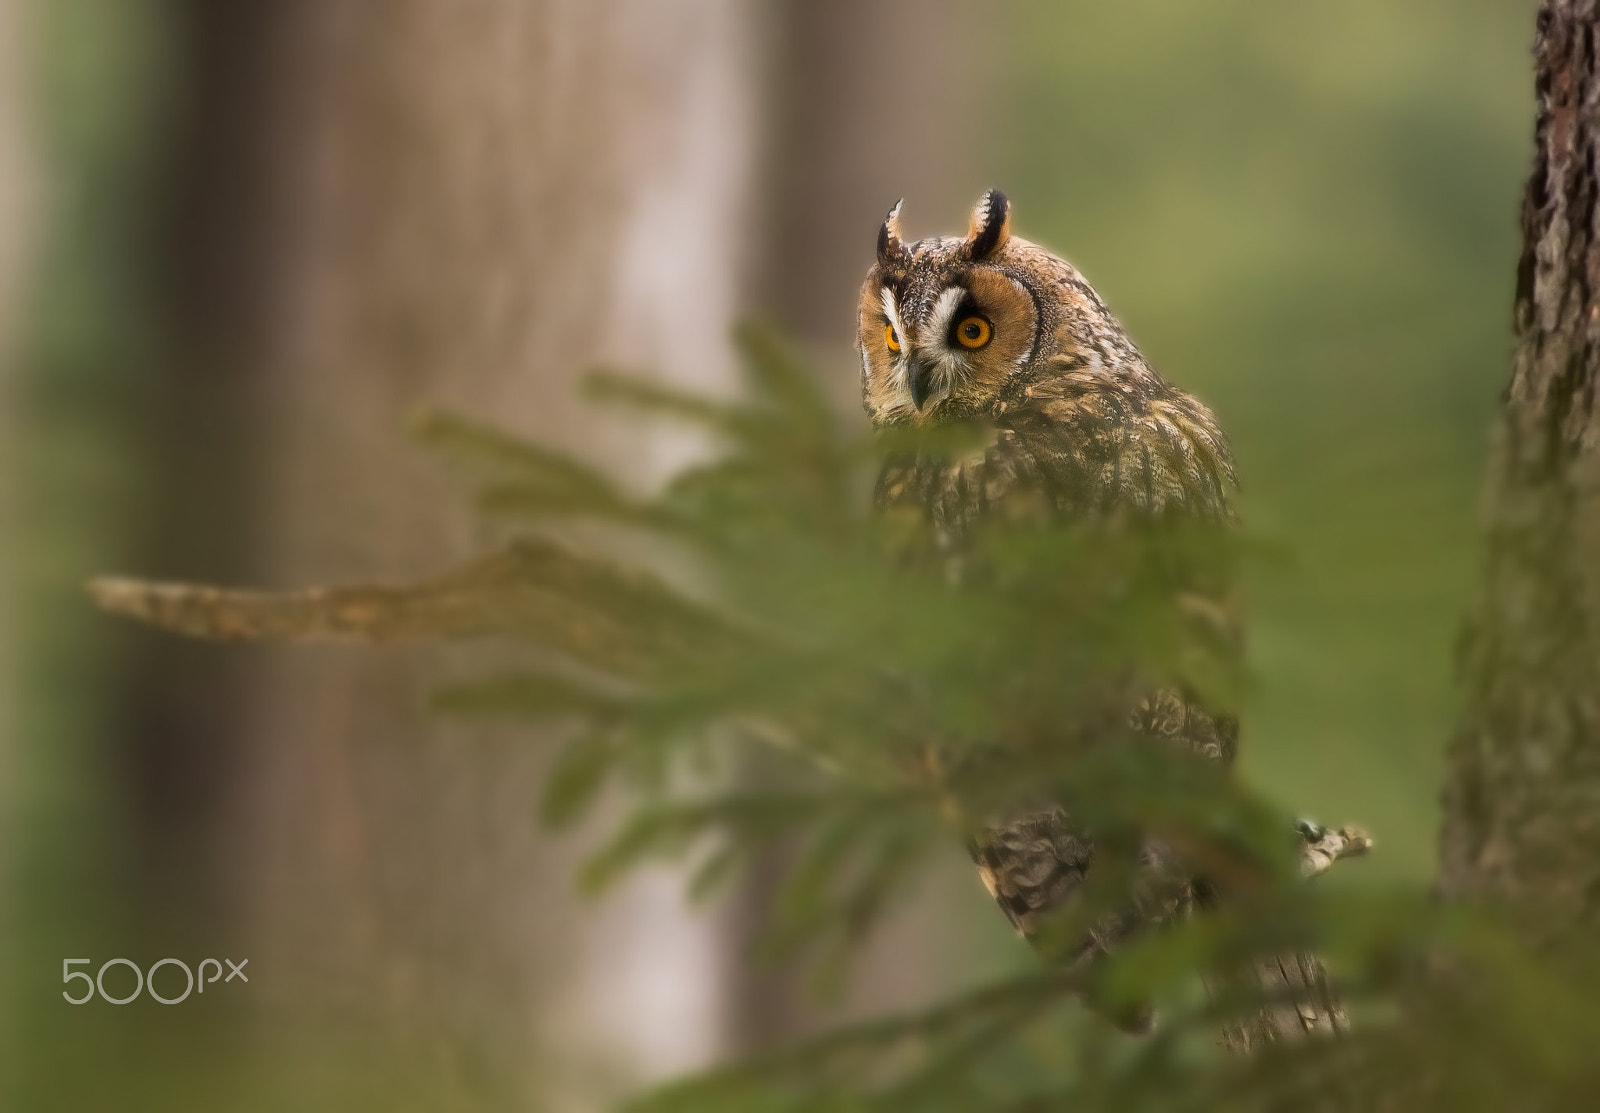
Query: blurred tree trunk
x: 381, y: 205
x: 870, y: 102
x: 16, y: 185
x: 15, y: 201
x: 1522, y: 799
x: 874, y: 100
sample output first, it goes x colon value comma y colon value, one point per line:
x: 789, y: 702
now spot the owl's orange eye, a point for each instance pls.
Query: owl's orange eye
x: 973, y: 333
x: 891, y: 338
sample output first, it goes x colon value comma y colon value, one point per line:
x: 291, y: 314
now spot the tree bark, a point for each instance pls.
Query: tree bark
x: 1522, y: 797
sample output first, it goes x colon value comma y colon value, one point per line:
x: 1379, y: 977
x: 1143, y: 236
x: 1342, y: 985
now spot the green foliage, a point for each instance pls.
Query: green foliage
x: 905, y: 695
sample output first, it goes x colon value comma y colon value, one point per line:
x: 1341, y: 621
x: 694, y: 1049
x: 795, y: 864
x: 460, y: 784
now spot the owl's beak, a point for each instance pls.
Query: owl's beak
x: 919, y: 378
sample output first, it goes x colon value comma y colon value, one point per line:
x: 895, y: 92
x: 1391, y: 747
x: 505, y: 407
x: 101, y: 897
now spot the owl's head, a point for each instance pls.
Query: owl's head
x: 948, y: 325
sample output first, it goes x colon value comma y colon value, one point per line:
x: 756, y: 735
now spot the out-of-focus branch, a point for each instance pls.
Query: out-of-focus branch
x: 596, y: 613
x: 1302, y: 1004
x: 1323, y: 846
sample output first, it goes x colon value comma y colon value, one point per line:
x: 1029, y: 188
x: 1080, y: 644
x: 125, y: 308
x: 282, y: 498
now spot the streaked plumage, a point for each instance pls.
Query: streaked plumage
x: 1081, y: 425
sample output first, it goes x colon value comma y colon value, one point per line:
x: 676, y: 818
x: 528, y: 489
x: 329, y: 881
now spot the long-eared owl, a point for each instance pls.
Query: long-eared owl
x: 993, y: 329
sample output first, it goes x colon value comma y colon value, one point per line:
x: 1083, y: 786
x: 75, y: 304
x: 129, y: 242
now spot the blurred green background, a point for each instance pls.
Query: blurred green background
x: 1304, y: 214
x: 1307, y: 216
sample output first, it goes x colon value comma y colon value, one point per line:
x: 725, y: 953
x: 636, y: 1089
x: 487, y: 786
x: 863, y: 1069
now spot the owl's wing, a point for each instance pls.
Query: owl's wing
x: 1077, y: 446
x: 1100, y: 444
x: 1031, y: 864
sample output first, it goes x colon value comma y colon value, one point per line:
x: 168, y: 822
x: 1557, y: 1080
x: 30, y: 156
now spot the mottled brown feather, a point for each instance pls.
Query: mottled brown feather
x: 1082, y: 428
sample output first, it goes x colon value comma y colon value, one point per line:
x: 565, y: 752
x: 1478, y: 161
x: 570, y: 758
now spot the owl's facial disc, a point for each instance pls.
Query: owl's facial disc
x: 940, y: 340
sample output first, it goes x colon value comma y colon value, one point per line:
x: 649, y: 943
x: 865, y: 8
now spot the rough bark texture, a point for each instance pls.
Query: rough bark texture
x: 1522, y: 799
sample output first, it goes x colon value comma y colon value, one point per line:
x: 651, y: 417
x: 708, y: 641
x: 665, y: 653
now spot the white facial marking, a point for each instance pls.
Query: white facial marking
x: 892, y: 311
x: 897, y: 359
x: 1018, y: 363
x: 943, y: 310
x: 949, y: 363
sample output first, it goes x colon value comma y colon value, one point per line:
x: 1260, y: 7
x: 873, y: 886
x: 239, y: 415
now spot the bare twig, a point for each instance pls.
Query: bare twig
x: 1296, y: 985
x: 1324, y: 846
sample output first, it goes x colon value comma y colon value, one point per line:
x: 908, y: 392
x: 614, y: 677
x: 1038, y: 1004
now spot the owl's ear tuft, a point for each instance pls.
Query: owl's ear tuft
x: 892, y: 253
x: 990, y: 227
